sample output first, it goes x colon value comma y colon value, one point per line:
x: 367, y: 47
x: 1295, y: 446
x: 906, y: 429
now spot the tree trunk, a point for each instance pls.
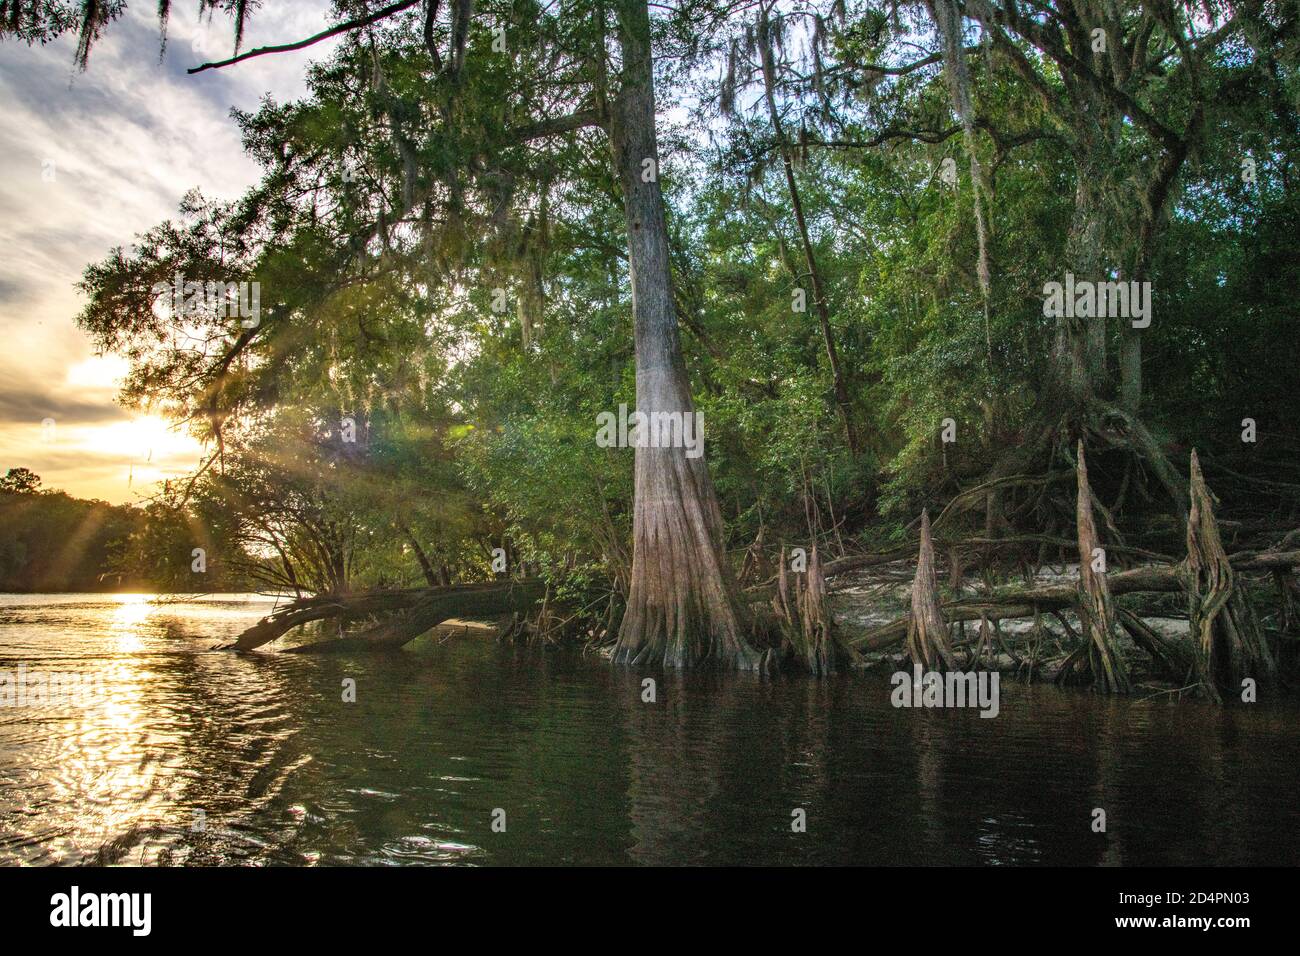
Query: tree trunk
x: 1130, y: 369
x: 430, y: 577
x: 531, y: 306
x: 1081, y: 341
x: 681, y: 608
x: 948, y: 21
x: 1154, y: 200
x: 806, y: 620
x: 810, y: 260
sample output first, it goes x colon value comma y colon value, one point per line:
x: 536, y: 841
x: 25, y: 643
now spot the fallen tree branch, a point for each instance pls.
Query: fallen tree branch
x: 857, y: 561
x: 1024, y: 602
x: 409, y: 608
x: 320, y: 608
x: 441, y: 604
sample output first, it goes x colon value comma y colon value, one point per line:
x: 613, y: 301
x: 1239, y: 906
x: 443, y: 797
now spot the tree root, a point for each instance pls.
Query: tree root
x: 1099, y: 661
x: 804, y: 620
x: 927, y: 634
x: 1229, y: 645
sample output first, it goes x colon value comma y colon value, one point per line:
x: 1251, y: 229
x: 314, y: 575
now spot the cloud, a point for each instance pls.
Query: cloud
x: 15, y: 291
x: 92, y: 160
x: 32, y: 404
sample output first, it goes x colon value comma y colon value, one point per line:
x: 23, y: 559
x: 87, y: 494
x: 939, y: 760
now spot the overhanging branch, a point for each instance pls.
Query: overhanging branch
x: 323, y: 35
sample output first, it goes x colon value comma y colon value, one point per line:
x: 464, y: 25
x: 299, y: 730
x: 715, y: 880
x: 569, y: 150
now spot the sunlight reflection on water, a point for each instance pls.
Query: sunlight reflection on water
x: 200, y: 756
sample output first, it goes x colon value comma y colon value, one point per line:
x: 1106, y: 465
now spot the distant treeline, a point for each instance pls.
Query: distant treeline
x: 51, y: 541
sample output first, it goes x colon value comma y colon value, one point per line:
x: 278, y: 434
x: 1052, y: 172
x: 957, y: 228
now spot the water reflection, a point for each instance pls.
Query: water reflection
x: 198, y: 756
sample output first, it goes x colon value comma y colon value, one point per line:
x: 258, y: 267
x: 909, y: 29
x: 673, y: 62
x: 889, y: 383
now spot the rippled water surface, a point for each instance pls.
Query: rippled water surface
x: 262, y: 749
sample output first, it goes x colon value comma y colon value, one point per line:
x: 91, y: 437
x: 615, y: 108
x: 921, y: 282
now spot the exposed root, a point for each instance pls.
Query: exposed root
x: 1228, y: 642
x: 927, y: 634
x: 804, y: 618
x: 1099, y: 660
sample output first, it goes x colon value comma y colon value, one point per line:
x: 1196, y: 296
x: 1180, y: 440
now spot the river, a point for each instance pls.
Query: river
x: 466, y: 751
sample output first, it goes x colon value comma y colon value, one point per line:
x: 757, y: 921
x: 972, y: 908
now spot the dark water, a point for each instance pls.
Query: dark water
x: 439, y: 737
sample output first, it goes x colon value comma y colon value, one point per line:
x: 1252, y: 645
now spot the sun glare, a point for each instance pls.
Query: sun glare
x: 128, y: 617
x: 142, y: 440
x: 104, y: 372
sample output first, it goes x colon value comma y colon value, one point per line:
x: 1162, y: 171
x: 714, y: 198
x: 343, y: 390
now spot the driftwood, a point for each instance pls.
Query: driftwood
x: 903, y: 552
x: 1228, y: 644
x: 927, y: 634
x: 413, y: 612
x: 1226, y: 637
x: 1023, y: 602
x: 1098, y: 660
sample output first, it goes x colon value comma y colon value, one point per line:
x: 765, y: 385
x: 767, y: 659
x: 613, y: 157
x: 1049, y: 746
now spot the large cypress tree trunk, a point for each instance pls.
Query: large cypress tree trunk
x: 1081, y: 341
x: 681, y: 608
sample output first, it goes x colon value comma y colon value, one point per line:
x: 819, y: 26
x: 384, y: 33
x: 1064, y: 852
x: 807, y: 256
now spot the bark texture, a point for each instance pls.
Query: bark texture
x: 472, y: 601
x: 805, y: 617
x: 1098, y: 659
x: 681, y: 609
x: 1226, y: 636
x: 927, y: 634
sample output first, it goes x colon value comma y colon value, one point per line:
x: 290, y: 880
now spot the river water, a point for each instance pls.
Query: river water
x: 197, y: 756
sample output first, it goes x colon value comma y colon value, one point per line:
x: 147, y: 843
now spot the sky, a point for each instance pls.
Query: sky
x: 88, y: 161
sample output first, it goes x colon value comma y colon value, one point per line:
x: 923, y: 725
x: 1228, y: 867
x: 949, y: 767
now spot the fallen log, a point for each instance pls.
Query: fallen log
x: 1023, y: 602
x: 438, y: 605
x: 1264, y: 560
x: 409, y: 608
x: 1172, y: 658
x: 320, y: 608
x: 855, y: 562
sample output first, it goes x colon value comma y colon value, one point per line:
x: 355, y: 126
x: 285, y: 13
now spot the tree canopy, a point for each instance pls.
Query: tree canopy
x: 864, y: 205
